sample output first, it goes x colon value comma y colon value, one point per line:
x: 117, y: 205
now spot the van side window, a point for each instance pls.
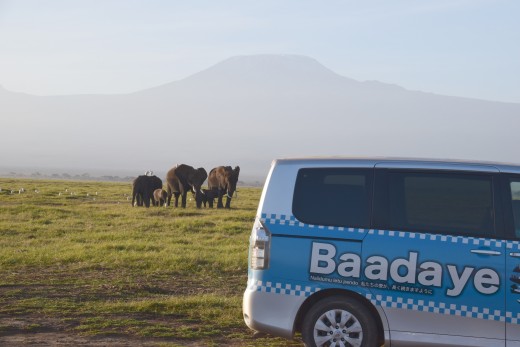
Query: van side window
x: 333, y: 197
x: 441, y: 203
x: 515, y: 201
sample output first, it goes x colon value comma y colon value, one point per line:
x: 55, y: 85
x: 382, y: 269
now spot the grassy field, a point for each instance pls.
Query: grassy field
x: 79, y: 265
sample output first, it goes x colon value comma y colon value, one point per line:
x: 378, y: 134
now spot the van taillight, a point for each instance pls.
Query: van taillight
x: 259, y: 247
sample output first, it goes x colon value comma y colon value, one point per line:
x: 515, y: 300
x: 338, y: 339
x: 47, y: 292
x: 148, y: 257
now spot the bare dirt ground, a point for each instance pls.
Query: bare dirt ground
x: 26, y: 325
x: 24, y: 321
x: 53, y: 332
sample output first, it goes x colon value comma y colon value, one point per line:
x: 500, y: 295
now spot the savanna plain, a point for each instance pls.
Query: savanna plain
x: 80, y: 266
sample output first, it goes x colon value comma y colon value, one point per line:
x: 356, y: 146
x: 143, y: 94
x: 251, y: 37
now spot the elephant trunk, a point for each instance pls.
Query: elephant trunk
x: 199, y: 196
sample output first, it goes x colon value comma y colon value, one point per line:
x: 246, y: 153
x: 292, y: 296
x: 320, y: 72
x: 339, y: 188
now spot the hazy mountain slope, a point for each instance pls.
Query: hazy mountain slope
x: 247, y: 111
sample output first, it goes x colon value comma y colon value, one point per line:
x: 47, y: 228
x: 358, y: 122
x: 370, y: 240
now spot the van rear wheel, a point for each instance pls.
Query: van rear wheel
x: 339, y: 321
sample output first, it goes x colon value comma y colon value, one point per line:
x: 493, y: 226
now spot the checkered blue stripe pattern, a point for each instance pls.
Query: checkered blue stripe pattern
x: 513, y: 245
x: 291, y: 221
x: 388, y: 301
x: 284, y: 289
x: 440, y: 307
x: 282, y: 219
x: 443, y: 238
x: 512, y: 318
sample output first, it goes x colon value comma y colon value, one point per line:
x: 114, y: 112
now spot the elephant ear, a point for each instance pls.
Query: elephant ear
x: 202, y: 174
x: 236, y: 171
x: 190, y: 178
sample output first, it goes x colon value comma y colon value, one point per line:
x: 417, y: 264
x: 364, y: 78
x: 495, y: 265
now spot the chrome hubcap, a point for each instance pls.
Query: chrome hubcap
x: 338, y: 328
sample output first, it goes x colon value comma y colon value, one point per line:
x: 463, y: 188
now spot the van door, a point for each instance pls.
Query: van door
x: 512, y: 204
x: 434, y: 261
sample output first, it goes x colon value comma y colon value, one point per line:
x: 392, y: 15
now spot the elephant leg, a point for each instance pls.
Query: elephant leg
x: 146, y: 200
x: 228, y: 202
x: 177, y: 199
x: 219, y: 201
x: 199, y: 200
x: 169, y: 195
x: 184, y: 199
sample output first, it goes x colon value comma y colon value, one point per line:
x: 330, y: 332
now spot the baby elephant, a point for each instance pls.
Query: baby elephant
x: 160, y: 196
x: 208, y: 196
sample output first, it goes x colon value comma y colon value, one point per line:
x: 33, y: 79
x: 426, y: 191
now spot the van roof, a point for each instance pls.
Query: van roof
x: 404, y: 163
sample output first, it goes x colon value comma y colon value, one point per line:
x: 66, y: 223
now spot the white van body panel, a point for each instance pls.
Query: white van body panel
x: 271, y: 312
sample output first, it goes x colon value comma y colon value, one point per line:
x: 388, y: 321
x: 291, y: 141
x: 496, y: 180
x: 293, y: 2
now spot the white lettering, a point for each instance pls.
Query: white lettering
x: 431, y: 274
x: 486, y: 281
x: 401, y: 270
x: 409, y: 264
x: 459, y: 283
x: 323, y: 253
x: 351, y: 265
x: 378, y: 270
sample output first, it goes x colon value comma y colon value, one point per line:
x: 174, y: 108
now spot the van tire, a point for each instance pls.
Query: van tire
x: 359, y: 324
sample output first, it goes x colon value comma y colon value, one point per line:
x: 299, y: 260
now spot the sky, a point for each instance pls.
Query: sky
x: 467, y: 48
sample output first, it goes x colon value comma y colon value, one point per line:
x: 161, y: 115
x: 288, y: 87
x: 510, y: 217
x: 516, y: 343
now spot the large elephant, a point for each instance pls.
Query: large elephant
x: 183, y: 178
x: 143, y: 188
x: 224, y: 179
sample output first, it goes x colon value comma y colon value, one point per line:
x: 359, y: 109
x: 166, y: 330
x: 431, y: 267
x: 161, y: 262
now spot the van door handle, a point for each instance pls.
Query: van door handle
x: 485, y: 252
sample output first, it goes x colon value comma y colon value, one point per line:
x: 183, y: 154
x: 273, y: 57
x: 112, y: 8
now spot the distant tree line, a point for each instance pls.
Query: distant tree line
x: 67, y: 176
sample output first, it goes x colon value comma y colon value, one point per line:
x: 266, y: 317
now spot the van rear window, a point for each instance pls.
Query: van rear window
x: 333, y: 197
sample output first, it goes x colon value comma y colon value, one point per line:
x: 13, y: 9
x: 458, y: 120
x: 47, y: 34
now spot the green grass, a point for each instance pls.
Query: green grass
x: 91, y: 265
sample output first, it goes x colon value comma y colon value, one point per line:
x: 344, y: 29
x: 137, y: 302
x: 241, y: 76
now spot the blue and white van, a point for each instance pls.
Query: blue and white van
x: 373, y: 252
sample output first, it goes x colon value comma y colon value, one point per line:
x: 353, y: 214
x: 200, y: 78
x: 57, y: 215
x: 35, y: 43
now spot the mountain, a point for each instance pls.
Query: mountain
x: 246, y: 111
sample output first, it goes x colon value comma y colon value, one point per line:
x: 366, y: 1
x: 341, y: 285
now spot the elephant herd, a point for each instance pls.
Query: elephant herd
x: 182, y: 179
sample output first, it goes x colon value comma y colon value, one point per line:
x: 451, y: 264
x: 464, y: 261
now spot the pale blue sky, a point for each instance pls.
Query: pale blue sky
x: 467, y: 48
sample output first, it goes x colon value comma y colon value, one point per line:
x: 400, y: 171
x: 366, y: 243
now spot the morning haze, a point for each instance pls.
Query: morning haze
x: 248, y: 110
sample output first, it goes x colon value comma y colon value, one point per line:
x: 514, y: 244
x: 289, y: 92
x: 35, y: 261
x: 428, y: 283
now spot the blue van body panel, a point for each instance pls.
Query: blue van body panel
x: 290, y: 226
x: 429, y: 289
